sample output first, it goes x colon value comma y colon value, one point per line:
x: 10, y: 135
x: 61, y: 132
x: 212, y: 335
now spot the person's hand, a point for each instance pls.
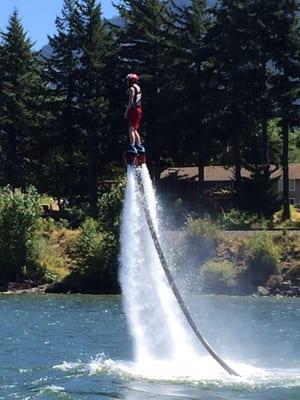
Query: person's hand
x: 125, y: 114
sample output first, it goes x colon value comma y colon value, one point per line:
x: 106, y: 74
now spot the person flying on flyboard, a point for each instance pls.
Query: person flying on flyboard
x: 133, y: 114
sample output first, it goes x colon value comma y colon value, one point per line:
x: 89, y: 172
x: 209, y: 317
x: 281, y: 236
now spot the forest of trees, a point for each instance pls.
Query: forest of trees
x: 220, y: 86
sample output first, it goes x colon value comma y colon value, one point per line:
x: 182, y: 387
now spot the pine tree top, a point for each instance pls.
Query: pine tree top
x: 15, y: 38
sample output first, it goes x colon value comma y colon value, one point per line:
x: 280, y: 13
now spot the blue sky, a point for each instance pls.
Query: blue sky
x: 38, y: 16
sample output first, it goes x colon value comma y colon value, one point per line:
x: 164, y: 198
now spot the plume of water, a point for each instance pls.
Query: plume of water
x: 158, y: 329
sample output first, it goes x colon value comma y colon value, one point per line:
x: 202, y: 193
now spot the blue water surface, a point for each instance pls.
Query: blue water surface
x: 78, y: 347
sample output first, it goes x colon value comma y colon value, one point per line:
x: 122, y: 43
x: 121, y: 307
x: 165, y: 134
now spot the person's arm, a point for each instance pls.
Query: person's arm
x: 130, y: 101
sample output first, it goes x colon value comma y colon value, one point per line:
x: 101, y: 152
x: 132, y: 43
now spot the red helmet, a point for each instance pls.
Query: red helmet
x: 132, y: 77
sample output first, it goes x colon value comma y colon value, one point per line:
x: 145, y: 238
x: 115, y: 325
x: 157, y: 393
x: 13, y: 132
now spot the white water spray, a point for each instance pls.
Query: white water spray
x: 158, y: 328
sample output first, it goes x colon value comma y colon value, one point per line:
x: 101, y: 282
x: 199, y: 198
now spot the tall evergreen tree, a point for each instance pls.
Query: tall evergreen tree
x: 193, y: 71
x: 274, y: 28
x: 20, y: 83
x: 95, y: 47
x: 261, y: 37
x: 261, y: 32
x: 286, y: 80
x: 228, y: 43
x: 63, y: 71
x: 242, y: 40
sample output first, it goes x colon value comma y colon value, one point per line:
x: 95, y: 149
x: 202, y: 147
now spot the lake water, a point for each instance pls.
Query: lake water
x: 78, y: 347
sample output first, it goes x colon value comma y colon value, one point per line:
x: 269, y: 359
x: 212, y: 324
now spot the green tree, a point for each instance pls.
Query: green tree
x: 294, y: 153
x: 19, y: 228
x: 259, y: 192
x: 192, y: 74
x: 20, y: 101
x: 286, y: 80
x: 95, y: 49
x: 96, y: 249
x: 229, y: 45
x: 88, y: 248
x: 63, y: 71
x: 92, y: 271
x: 255, y: 48
x: 258, y: 148
x: 262, y: 258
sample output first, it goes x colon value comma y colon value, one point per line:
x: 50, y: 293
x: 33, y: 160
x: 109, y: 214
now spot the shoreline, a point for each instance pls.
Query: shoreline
x: 46, y: 289
x: 230, y: 247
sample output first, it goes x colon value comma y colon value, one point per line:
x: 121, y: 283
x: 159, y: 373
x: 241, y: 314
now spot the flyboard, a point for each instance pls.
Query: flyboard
x: 136, y: 161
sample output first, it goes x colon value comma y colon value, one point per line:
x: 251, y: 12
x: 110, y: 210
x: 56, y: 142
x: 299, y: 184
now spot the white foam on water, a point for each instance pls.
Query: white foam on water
x: 163, y: 371
x: 51, y: 389
x: 68, y: 366
x: 195, y: 374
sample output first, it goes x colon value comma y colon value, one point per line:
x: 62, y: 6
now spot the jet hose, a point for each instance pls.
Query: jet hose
x: 170, y: 279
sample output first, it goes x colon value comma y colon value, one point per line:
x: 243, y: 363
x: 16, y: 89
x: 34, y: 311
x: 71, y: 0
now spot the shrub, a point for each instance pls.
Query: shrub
x: 110, y: 207
x: 202, y: 228
x: 219, y: 276
x: 262, y: 258
x: 19, y: 224
x: 47, y: 255
x: 94, y: 254
x: 202, y: 235
x: 88, y: 252
x: 237, y: 219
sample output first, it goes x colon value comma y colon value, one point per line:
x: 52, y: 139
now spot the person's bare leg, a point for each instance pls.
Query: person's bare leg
x: 137, y: 137
x: 132, y: 138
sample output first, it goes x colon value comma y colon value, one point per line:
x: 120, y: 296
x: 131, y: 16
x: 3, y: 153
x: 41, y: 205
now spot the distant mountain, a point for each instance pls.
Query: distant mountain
x: 46, y: 51
x: 117, y: 21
